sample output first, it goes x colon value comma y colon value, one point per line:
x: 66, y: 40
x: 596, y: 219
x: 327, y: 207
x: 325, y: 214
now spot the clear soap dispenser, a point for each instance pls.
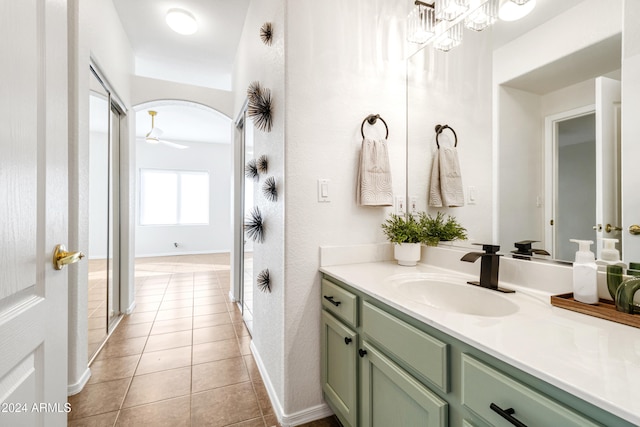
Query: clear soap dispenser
x: 609, y: 254
x: 585, y: 270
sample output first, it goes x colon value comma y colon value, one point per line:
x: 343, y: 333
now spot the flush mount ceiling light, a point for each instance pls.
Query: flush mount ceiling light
x: 512, y: 10
x: 181, y: 21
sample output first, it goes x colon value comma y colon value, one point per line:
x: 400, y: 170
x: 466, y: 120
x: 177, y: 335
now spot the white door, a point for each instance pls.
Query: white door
x: 33, y: 212
x: 608, y: 212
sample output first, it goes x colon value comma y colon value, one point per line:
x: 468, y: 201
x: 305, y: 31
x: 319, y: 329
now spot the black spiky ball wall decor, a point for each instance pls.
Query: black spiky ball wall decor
x: 270, y: 190
x: 264, y: 281
x: 259, y: 106
x: 254, y: 226
x: 251, y: 170
x: 266, y: 33
x: 262, y: 164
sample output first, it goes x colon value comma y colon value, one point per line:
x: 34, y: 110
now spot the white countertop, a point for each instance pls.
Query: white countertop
x: 594, y: 359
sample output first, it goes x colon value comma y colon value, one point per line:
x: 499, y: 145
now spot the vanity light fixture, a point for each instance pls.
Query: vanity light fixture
x: 512, y: 10
x: 483, y: 16
x: 421, y: 22
x: 448, y: 10
x: 449, y: 39
x: 181, y: 21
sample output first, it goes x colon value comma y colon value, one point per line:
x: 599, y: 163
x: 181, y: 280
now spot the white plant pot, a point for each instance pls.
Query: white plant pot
x: 407, y: 253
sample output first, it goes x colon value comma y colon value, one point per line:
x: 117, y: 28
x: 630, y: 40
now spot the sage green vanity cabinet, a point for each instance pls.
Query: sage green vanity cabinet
x: 392, y: 397
x: 339, y: 367
x: 382, y: 367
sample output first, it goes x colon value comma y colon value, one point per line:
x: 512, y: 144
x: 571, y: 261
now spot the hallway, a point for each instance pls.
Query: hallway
x: 181, y: 359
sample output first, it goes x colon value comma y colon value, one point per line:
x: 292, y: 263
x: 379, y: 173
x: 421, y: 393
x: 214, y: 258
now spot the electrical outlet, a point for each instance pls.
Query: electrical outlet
x: 401, y: 208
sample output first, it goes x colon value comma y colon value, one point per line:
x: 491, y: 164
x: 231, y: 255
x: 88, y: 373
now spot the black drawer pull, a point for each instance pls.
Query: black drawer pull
x: 507, y: 414
x: 347, y: 340
x: 330, y: 299
x: 362, y: 352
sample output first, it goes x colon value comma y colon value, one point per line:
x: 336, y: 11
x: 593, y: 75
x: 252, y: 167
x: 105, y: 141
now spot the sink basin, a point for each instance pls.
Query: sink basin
x: 453, y: 294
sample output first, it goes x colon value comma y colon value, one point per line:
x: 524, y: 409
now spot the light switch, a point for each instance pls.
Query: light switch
x: 400, y: 205
x: 472, y: 195
x: 413, y: 205
x: 323, y: 190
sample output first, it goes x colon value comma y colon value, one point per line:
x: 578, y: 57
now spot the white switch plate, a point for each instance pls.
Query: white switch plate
x: 413, y: 205
x: 472, y: 195
x: 323, y: 190
x: 401, y: 207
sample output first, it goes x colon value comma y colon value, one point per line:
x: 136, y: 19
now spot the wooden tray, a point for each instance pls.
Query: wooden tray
x: 605, y: 309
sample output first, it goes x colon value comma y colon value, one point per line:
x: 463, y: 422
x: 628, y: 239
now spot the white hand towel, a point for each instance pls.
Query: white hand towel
x: 374, y: 174
x: 446, y: 179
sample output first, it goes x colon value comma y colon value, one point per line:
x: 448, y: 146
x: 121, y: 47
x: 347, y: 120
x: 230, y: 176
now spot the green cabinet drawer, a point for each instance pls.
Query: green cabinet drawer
x: 340, y: 302
x: 483, y: 385
x: 339, y: 364
x: 425, y: 356
x: 392, y: 397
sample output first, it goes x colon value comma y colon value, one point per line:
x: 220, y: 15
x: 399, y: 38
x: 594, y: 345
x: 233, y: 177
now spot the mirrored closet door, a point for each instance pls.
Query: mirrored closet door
x: 104, y: 270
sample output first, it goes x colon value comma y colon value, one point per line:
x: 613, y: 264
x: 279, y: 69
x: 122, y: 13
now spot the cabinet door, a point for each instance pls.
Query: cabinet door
x: 391, y: 397
x: 339, y: 374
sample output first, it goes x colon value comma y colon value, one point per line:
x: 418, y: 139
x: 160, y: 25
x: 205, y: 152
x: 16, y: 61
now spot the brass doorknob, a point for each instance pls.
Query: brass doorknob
x: 61, y: 257
x: 610, y: 227
x: 634, y: 229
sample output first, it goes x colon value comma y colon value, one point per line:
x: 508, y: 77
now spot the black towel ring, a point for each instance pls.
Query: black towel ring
x: 372, y: 119
x: 439, y: 129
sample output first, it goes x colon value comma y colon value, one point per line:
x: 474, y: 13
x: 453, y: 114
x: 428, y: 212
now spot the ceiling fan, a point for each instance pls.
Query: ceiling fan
x: 153, y: 137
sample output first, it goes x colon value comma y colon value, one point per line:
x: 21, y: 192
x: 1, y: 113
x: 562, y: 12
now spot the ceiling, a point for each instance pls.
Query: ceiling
x: 206, y: 58
x: 203, y: 59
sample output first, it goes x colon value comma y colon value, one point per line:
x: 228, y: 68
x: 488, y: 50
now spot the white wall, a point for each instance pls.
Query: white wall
x: 342, y: 62
x: 214, y: 237
x: 257, y: 62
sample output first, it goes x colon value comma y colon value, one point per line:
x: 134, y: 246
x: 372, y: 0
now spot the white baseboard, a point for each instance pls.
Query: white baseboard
x: 131, y: 308
x: 232, y: 297
x: 288, y: 420
x: 157, y: 254
x: 78, y: 386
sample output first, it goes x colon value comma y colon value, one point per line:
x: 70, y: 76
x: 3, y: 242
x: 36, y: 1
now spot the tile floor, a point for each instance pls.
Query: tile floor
x: 181, y: 359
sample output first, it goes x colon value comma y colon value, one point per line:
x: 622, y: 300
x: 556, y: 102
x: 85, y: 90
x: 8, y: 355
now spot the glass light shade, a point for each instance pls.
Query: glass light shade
x: 483, y: 16
x: 449, y: 39
x: 420, y: 24
x: 181, y: 21
x: 510, y: 10
x: 449, y: 10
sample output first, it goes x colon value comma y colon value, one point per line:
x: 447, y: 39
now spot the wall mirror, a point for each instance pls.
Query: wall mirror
x: 537, y: 112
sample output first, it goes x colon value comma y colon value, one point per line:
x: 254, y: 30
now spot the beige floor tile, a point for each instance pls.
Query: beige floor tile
x: 211, y: 320
x: 126, y: 331
x: 221, y: 373
x: 263, y: 397
x: 163, y: 360
x: 142, y: 317
x: 170, y: 296
x: 102, y: 420
x: 168, y: 341
x: 252, y: 368
x: 217, y: 350
x: 245, y: 345
x: 324, y: 422
x: 201, y: 310
x: 256, y: 422
x: 98, y: 398
x: 208, y: 300
x: 271, y: 421
x: 224, y: 406
x: 149, y: 306
x: 176, y: 303
x: 167, y: 413
x: 125, y: 347
x: 113, y: 369
x: 213, y: 333
x: 241, y: 329
x: 175, y: 313
x: 173, y: 325
x: 158, y: 386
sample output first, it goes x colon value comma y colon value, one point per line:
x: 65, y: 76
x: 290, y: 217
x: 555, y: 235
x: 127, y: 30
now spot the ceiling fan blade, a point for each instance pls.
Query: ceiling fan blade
x: 154, y: 133
x: 173, y: 144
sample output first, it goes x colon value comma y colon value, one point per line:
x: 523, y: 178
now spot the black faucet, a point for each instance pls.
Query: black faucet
x: 525, y: 251
x: 488, y: 267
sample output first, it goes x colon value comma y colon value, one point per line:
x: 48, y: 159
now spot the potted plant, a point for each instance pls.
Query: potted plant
x: 406, y: 234
x: 440, y: 228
